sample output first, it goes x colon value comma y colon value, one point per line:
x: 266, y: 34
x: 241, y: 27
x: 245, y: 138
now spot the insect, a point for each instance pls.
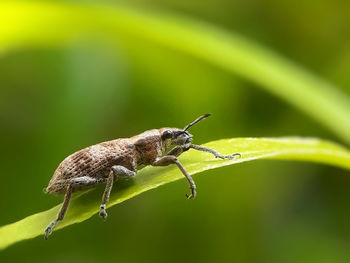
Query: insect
x: 110, y: 161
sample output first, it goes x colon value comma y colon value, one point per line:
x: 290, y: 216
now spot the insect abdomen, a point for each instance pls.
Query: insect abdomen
x: 94, y: 161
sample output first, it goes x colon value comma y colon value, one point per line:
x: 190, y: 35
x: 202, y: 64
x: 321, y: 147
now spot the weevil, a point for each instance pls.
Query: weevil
x: 110, y: 161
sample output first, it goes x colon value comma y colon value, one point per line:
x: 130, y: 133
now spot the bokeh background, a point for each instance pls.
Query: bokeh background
x: 55, y: 100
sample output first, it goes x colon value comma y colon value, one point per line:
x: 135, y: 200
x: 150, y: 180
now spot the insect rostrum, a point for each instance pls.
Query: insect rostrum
x: 109, y: 161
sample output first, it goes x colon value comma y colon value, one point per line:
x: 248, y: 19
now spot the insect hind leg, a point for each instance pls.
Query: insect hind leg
x: 71, y: 185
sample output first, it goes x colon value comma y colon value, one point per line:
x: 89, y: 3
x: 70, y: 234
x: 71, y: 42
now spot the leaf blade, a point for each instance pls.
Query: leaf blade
x: 87, y: 204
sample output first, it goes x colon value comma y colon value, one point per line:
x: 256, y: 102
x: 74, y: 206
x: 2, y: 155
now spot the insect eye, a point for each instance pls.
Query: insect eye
x: 167, y: 135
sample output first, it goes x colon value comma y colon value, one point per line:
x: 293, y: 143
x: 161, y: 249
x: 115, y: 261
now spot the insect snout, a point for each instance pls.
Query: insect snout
x: 188, y: 139
x: 184, y: 138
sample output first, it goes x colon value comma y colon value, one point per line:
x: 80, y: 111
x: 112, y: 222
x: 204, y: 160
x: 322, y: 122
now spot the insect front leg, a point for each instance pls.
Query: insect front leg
x: 84, y: 180
x: 171, y: 159
x: 116, y: 172
x: 178, y: 150
x: 215, y: 153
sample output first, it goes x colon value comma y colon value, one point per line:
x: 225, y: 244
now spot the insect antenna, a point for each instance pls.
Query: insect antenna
x: 196, y: 121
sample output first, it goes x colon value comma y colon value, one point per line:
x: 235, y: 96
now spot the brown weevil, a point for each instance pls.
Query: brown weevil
x: 109, y: 161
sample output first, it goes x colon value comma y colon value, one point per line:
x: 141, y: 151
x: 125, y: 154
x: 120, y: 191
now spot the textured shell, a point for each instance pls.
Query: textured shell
x: 94, y: 161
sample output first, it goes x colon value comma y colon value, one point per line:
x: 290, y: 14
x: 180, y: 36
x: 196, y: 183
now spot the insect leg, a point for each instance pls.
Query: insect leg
x: 116, y: 171
x: 171, y: 159
x: 178, y: 150
x: 84, y: 180
x: 215, y: 153
x: 106, y: 194
x: 63, y: 210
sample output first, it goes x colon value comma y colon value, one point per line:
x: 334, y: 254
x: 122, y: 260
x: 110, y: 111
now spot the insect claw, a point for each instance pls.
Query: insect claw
x: 103, y: 214
x: 49, y: 228
x: 233, y: 156
x: 192, y: 195
x: 189, y: 196
x: 47, y: 233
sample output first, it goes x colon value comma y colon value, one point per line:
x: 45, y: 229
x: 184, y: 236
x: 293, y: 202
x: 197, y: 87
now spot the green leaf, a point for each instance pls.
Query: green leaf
x: 86, y: 204
x: 25, y: 24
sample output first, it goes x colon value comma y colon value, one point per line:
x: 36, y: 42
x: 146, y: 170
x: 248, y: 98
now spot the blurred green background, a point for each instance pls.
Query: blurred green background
x: 56, y: 99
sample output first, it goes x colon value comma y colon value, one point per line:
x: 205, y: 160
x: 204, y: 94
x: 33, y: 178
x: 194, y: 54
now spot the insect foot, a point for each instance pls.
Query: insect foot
x: 49, y: 228
x: 193, y: 193
x: 231, y: 156
x: 103, y: 213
